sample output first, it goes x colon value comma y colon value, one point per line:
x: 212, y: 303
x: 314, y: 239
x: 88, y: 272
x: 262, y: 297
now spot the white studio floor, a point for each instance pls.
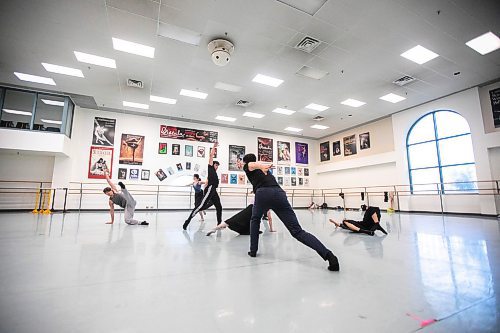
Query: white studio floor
x: 73, y: 273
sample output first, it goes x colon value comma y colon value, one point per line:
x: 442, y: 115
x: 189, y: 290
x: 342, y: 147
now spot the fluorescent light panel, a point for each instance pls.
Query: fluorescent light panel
x: 51, y: 102
x: 293, y: 129
x: 179, y: 34
x: 485, y: 43
x: 227, y: 87
x: 353, y: 102
x: 393, y: 98
x: 134, y: 48
x: 419, y: 54
x: 224, y: 118
x: 35, y: 78
x: 194, y: 94
x: 48, y: 121
x: 320, y: 127
x: 95, y: 60
x: 62, y: 70
x: 253, y: 115
x: 267, y: 80
x: 162, y: 99
x: 283, y: 111
x: 22, y: 113
x: 317, y: 107
x: 136, y: 105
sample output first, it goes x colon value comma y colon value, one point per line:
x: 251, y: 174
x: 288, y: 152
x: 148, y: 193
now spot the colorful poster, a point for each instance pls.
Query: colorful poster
x: 294, y: 181
x: 188, y: 165
x: 287, y: 170
x: 241, y: 179
x: 181, y: 133
x: 280, y: 170
x: 293, y: 171
x: 301, y: 153
x: 161, y: 174
x: 134, y: 174
x: 179, y: 167
x: 122, y: 173
x: 144, y: 174
x: 100, y: 159
x: 350, y: 145
x: 364, y: 141
x: 162, y: 148
x: 188, y: 150
x: 495, y: 106
x: 236, y: 154
x: 300, y: 171
x: 264, y: 149
x: 284, y: 152
x: 176, y: 149
x: 224, y: 178
x: 324, y: 151
x: 132, y: 149
x: 306, y: 172
x: 104, y: 132
x: 280, y: 181
x: 234, y: 178
x: 336, y: 148
x: 201, y: 151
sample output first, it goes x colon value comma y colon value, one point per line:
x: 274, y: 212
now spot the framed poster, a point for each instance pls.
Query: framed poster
x: 122, y: 173
x: 350, y: 145
x: 287, y: 181
x: 170, y: 171
x: 188, y: 165
x: 280, y: 170
x: 300, y: 171
x: 324, y: 151
x: 301, y: 181
x: 100, y: 159
x: 132, y: 149
x: 224, y: 178
x: 161, y: 175
x: 233, y: 179
x: 293, y: 171
x: 181, y: 133
x: 134, y: 174
x: 162, y: 148
x: 280, y: 181
x: 176, y: 149
x: 336, y: 148
x: 188, y: 150
x: 495, y: 106
x: 144, y: 174
x: 201, y: 151
x: 179, y: 167
x: 301, y: 153
x: 306, y: 172
x: 104, y: 132
x: 294, y: 181
x: 264, y: 149
x: 236, y: 154
x: 287, y: 170
x: 241, y: 179
x: 364, y: 141
x: 283, y: 152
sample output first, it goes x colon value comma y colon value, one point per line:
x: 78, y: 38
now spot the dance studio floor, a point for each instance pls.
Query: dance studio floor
x: 73, y: 273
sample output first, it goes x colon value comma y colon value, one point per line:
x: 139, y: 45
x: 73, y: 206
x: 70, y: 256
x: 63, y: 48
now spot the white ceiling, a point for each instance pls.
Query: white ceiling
x: 363, y: 40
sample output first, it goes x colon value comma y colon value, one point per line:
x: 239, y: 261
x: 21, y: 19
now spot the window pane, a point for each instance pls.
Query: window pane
x: 17, y: 109
x: 422, y: 131
x: 425, y: 176
x: 456, y: 150
x: 423, y: 155
x: 48, y: 114
x: 460, y: 173
x: 450, y: 123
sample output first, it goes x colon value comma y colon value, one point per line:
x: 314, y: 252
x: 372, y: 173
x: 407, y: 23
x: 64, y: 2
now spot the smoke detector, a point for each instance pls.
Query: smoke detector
x: 220, y: 50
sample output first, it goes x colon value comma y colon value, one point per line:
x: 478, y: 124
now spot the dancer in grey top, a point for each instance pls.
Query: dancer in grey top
x: 121, y: 198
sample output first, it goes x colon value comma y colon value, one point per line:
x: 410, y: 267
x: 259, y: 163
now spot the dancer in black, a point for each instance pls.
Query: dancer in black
x: 240, y: 222
x: 269, y: 195
x: 211, y: 196
x: 370, y: 223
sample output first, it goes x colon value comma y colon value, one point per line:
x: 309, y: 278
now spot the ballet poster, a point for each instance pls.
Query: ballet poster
x: 241, y: 179
x: 176, y: 149
x: 162, y: 148
x: 181, y: 133
x: 100, y: 159
x: 145, y: 174
x: 495, y: 106
x: 134, y: 174
x: 234, y: 179
x: 350, y: 145
x: 132, y: 149
x: 301, y: 153
x: 265, y: 149
x: 336, y: 148
x: 122, y: 173
x: 161, y: 175
x: 224, y: 178
x: 283, y: 152
x: 104, y: 132
x: 201, y: 151
x: 324, y: 151
x: 236, y: 154
x: 188, y: 150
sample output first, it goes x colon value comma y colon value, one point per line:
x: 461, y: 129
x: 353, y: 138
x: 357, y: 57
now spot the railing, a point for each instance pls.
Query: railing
x: 22, y: 195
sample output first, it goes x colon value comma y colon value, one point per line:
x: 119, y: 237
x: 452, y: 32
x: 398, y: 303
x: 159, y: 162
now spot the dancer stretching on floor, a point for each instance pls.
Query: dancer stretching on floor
x: 370, y: 223
x: 240, y: 222
x: 211, y: 196
x: 121, y: 198
x: 269, y: 195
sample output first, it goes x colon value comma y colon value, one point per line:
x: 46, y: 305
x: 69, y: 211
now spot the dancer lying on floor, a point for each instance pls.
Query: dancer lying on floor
x: 240, y: 222
x: 370, y: 223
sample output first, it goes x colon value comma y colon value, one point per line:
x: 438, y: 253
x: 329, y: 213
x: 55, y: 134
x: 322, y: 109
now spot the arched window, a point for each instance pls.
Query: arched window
x: 439, y: 149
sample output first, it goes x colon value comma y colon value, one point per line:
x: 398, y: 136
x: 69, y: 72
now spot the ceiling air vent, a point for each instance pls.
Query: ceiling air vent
x: 404, y: 80
x: 135, y: 83
x: 318, y: 118
x: 308, y: 44
x: 243, y: 103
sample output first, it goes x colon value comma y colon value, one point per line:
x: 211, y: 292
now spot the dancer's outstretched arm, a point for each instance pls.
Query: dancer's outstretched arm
x: 111, y: 184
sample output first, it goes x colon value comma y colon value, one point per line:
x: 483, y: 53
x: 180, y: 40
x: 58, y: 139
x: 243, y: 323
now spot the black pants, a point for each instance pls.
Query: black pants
x: 275, y: 198
x: 210, y: 198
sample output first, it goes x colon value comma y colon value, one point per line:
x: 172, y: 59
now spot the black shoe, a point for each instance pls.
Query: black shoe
x: 185, y: 225
x: 333, y: 262
x: 368, y: 232
x: 252, y: 254
x: 121, y: 185
x: 210, y: 232
x: 144, y: 223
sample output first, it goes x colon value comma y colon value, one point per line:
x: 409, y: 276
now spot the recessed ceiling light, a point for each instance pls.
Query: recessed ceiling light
x: 283, y: 111
x: 352, y: 102
x: 62, y: 70
x: 22, y: 113
x: 35, y: 78
x: 51, y: 102
x: 134, y: 48
x: 227, y: 87
x: 162, y: 99
x: 267, y: 80
x: 48, y: 121
x: 393, y: 98
x: 253, y: 115
x: 320, y: 127
x: 180, y: 34
x: 485, y: 43
x: 293, y: 129
x: 95, y: 60
x: 419, y: 54
x: 225, y: 118
x: 194, y: 94
x: 317, y: 107
x: 136, y: 105
x: 310, y: 7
